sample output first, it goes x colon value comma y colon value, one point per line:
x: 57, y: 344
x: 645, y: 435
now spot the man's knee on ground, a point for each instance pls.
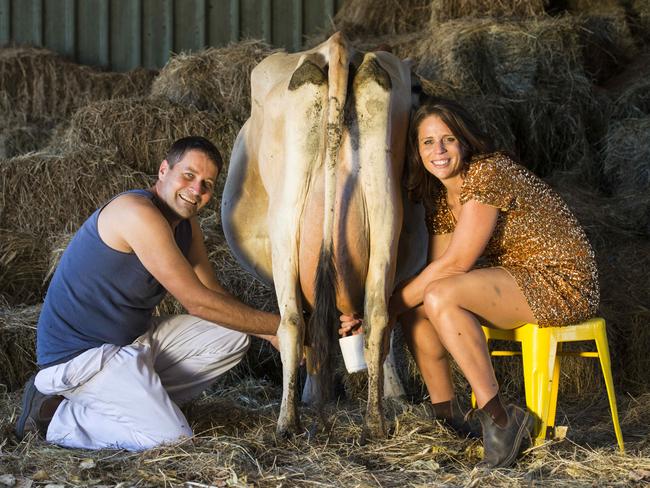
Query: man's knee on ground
x: 163, y: 435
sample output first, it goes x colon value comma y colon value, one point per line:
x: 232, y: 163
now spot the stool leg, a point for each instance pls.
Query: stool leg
x: 552, y: 405
x: 538, y: 351
x: 605, y: 364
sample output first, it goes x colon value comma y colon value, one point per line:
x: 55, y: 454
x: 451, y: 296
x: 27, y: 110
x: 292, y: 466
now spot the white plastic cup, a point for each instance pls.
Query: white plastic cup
x: 352, y: 349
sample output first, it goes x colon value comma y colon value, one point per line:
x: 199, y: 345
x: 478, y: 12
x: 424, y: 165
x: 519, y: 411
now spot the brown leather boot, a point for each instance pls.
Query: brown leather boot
x: 501, y: 445
x: 37, y: 411
x: 460, y: 425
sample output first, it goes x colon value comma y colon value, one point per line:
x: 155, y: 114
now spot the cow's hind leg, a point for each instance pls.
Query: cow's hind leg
x: 302, y: 139
x: 372, y: 90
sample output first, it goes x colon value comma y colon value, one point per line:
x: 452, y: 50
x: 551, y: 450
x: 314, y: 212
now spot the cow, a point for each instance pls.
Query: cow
x: 313, y: 203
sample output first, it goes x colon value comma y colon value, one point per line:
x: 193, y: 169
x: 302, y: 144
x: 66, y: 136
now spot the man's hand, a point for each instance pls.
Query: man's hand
x: 273, y: 339
x: 350, y: 324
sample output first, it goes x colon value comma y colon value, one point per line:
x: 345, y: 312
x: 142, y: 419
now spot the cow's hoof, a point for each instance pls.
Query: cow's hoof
x: 373, y: 429
x: 289, y: 430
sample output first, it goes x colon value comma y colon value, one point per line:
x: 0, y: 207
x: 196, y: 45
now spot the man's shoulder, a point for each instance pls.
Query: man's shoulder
x: 127, y: 215
x: 132, y: 202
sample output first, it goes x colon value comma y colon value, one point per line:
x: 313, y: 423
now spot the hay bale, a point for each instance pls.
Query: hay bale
x: 592, y: 6
x: 21, y: 139
x: 626, y: 158
x: 214, y: 79
x: 43, y: 84
x: 607, y: 43
x: 508, y: 58
x: 23, y: 266
x: 630, y: 90
x: 17, y: 344
x: 51, y: 192
x: 20, y: 133
x: 639, y: 14
x: 492, y: 112
x: 364, y: 18
x: 494, y: 115
x: 545, y: 134
x: 140, y: 131
x: 444, y: 10
x: 634, y: 102
x: 552, y: 134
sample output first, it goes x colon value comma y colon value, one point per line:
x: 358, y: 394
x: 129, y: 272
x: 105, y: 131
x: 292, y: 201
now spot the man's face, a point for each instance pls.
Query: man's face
x: 187, y: 186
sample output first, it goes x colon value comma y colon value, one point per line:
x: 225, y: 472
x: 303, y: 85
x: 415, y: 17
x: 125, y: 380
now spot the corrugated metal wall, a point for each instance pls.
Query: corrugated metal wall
x: 123, y: 34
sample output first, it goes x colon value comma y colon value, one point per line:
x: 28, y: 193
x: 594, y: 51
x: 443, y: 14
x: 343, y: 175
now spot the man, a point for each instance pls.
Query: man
x: 111, y: 375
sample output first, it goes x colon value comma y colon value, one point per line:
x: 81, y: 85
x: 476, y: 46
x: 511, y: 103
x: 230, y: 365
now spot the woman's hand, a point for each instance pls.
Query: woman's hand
x: 350, y: 324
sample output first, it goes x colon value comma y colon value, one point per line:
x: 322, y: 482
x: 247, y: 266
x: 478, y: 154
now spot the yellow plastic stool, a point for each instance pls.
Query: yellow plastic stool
x: 541, y: 348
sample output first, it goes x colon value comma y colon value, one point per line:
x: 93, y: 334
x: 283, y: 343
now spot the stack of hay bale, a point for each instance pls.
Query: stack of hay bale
x: 552, y: 82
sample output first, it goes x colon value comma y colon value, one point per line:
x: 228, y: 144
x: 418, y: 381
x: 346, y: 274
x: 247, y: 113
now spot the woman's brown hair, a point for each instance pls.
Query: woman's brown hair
x: 422, y: 185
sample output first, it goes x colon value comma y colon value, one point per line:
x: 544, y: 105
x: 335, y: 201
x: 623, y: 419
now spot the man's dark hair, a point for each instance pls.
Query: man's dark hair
x: 193, y: 143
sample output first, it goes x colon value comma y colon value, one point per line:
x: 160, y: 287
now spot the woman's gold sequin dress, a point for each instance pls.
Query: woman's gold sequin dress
x: 536, y: 239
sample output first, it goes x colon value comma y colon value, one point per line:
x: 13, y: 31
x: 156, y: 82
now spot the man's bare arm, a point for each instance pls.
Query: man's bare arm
x: 200, y: 262
x: 149, y: 235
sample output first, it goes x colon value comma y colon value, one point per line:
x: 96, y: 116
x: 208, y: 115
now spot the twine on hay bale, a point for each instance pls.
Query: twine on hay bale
x: 215, y: 79
x: 51, y: 192
x: 43, y: 84
x: 17, y: 344
x: 140, y: 131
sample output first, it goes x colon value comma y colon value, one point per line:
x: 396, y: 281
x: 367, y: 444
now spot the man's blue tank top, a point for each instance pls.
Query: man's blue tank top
x: 98, y: 295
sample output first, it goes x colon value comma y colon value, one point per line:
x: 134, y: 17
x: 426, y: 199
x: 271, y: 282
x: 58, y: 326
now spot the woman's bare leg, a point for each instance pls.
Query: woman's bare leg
x: 452, y: 306
x: 430, y: 355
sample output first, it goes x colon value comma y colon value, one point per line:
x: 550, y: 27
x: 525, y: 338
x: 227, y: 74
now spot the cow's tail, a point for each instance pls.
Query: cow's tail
x: 323, y: 323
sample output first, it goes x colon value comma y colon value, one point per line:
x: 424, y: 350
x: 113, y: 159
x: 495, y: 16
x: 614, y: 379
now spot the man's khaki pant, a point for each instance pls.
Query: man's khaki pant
x: 127, y: 397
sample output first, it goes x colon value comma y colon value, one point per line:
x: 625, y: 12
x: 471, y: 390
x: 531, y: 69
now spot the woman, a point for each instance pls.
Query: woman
x: 504, y: 250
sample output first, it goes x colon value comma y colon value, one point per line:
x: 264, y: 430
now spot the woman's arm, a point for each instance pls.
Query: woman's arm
x: 474, y: 229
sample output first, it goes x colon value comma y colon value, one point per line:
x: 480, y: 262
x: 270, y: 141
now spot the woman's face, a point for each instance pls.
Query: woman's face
x: 440, y: 150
